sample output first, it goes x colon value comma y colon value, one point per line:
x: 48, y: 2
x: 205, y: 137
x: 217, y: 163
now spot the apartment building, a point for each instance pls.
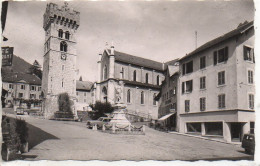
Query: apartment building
x: 20, y: 82
x: 167, y: 98
x: 217, y: 90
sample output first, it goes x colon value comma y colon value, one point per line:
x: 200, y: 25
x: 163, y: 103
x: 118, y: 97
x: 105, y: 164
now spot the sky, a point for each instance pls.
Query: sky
x: 157, y: 30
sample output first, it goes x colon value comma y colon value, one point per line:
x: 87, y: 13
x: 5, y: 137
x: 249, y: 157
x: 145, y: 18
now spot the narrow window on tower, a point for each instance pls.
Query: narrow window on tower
x: 142, y: 97
x: 63, y: 46
x: 62, y: 83
x: 146, y: 78
x: 60, y: 33
x: 134, y: 76
x: 128, y: 96
x: 67, y: 35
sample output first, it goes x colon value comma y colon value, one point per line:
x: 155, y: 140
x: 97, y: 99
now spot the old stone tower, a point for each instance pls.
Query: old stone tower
x: 59, y: 66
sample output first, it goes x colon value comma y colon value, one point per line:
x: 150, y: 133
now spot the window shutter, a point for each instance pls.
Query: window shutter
x: 183, y: 87
x: 245, y: 55
x: 191, y: 66
x: 219, y: 75
x: 183, y: 69
x: 226, y: 54
x: 191, y: 85
x: 215, y: 57
x: 253, y: 55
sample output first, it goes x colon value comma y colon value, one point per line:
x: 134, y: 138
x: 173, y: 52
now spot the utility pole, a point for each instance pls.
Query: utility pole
x: 195, y: 39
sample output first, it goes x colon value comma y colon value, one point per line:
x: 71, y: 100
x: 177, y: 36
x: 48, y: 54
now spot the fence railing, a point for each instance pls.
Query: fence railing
x: 139, y: 114
x: 124, y: 129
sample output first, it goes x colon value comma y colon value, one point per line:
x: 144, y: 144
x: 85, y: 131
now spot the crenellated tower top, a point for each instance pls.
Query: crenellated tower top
x: 64, y: 16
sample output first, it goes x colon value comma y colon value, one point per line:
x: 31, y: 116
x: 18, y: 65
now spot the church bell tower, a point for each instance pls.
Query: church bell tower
x: 59, y: 66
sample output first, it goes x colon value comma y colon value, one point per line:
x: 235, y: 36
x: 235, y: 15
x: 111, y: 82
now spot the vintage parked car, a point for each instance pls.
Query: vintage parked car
x: 99, y: 122
x: 248, y: 143
x: 20, y: 111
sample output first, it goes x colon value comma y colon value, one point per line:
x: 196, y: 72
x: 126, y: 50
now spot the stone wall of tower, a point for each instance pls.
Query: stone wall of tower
x: 59, y: 67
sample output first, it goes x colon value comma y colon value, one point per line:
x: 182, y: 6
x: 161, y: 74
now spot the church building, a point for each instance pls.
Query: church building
x: 131, y: 80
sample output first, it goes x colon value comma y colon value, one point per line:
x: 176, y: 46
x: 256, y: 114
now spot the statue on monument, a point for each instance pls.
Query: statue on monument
x: 119, y: 92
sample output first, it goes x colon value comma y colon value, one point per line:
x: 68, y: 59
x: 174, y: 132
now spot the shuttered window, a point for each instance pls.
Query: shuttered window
x: 221, y: 78
x: 202, y: 62
x: 202, y: 104
x: 249, y: 54
x: 187, y: 86
x: 251, y: 101
x: 187, y: 105
x: 187, y: 68
x: 221, y: 101
x: 220, y: 55
x: 250, y: 77
x: 202, y: 82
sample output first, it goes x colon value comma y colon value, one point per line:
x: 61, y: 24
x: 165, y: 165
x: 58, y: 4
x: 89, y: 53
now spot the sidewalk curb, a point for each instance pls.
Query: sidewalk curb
x: 205, y: 138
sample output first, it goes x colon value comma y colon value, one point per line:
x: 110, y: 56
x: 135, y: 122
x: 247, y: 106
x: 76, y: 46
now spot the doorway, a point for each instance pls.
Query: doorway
x: 236, y: 132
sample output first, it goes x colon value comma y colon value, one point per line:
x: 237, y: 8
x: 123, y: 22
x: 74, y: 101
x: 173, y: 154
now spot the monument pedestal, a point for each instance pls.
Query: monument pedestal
x: 119, y: 118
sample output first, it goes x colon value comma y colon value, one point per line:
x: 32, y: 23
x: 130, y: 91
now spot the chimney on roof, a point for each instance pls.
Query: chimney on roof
x: 112, y: 49
x: 241, y: 24
x: 196, y: 38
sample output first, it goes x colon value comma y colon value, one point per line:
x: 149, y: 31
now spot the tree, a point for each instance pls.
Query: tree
x: 64, y: 103
x: 101, y: 108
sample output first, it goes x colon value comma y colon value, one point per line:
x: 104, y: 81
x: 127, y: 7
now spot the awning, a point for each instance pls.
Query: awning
x: 166, y: 116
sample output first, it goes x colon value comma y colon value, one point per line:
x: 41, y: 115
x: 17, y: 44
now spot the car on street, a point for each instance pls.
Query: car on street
x: 248, y: 143
x: 99, y: 122
x: 20, y: 111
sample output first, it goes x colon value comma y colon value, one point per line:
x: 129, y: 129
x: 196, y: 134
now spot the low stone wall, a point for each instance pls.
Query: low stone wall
x: 122, y: 129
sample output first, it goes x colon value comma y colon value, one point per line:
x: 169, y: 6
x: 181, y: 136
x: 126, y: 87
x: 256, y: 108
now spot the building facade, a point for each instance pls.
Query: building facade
x: 217, y: 86
x: 20, y: 81
x: 131, y: 80
x: 59, y: 66
x: 167, y: 98
x: 83, y: 94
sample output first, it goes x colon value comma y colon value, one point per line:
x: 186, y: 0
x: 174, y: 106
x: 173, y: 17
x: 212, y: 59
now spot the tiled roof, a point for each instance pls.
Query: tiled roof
x: 240, y: 29
x: 20, y: 70
x: 83, y: 85
x: 135, y: 60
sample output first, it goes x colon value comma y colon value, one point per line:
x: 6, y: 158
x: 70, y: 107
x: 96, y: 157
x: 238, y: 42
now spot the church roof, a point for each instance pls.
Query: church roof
x: 19, y: 71
x: 240, y: 29
x: 139, y: 61
x: 83, y: 85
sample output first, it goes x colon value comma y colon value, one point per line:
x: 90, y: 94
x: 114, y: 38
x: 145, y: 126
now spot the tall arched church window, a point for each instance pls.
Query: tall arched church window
x: 128, y: 96
x: 134, y: 76
x: 158, y: 80
x: 142, y: 97
x: 60, y: 33
x: 146, y: 78
x: 105, y: 72
x: 67, y: 35
x: 63, y: 46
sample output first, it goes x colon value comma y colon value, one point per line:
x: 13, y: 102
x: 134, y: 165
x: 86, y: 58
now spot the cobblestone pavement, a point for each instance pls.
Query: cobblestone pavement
x: 60, y: 140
